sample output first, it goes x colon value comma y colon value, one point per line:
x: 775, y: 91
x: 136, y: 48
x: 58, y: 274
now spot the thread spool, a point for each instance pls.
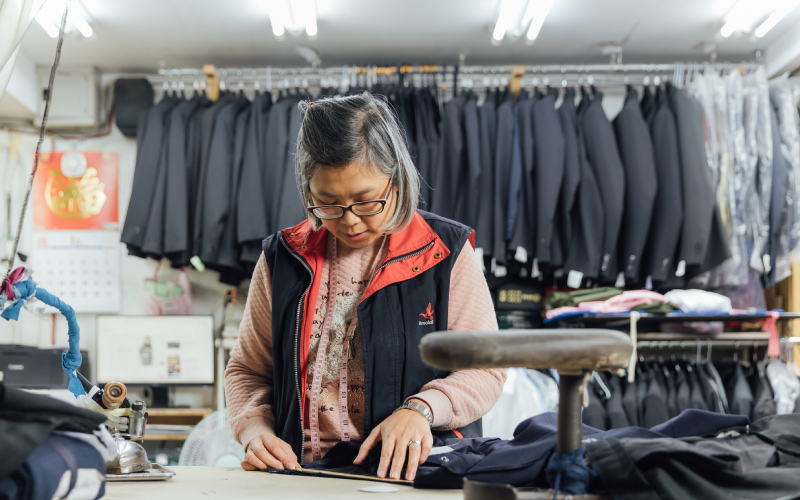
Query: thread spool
x: 114, y: 394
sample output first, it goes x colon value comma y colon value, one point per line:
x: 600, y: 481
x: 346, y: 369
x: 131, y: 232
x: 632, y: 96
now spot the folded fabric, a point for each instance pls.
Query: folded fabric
x: 520, y: 461
x: 27, y: 419
x: 60, y: 467
x: 756, y: 463
x: 565, y: 299
x: 624, y: 302
x: 700, y: 301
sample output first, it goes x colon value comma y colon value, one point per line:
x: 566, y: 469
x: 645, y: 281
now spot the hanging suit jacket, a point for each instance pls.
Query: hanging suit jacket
x: 151, y: 138
x: 649, y: 104
x: 291, y: 210
x: 777, y: 215
x: 602, y: 152
x: 636, y: 152
x: 181, y: 157
x: 698, y: 193
x: 215, y: 187
x: 206, y: 131
x: 153, y: 241
x: 617, y: 415
x: 488, y: 131
x: 276, y: 149
x: 468, y: 199
x: 562, y: 230
x: 523, y: 233
x: 450, y: 163
x: 422, y: 160
x: 667, y: 222
x: 588, y: 220
x: 432, y: 134
x: 502, y: 171
x: 549, y: 161
x: 251, y: 216
x: 229, y: 250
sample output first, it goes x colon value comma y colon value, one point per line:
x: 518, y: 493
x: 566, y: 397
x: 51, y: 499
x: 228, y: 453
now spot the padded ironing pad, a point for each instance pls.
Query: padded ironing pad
x: 570, y: 351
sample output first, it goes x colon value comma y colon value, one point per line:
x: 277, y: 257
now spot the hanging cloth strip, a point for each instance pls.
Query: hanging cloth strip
x: 18, y: 290
x: 322, y: 351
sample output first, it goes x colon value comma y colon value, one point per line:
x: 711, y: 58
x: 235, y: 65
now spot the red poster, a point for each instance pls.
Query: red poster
x: 77, y: 190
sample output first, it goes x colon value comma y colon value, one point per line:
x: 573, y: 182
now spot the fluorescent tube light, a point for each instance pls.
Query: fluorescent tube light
x: 741, y: 17
x: 540, y: 13
x: 781, y: 11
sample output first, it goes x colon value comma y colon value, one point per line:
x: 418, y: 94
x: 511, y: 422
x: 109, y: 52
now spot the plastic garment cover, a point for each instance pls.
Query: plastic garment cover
x: 782, y: 99
x: 785, y: 385
x: 526, y: 393
x: 758, y: 140
x: 699, y: 301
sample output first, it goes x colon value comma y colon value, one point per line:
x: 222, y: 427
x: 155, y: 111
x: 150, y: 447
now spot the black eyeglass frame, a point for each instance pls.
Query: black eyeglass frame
x: 344, y: 208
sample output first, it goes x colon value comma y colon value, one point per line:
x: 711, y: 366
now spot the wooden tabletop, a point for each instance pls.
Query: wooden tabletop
x: 235, y: 483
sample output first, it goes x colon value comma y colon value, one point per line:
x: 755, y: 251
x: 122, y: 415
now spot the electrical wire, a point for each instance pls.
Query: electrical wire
x: 41, y: 138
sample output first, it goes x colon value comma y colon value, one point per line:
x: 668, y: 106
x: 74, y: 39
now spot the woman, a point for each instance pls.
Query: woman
x: 365, y: 277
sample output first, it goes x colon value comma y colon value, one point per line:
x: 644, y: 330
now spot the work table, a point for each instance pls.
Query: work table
x: 235, y: 483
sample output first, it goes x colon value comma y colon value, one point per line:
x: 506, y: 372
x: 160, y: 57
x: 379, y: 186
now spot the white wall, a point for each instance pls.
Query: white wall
x: 37, y: 331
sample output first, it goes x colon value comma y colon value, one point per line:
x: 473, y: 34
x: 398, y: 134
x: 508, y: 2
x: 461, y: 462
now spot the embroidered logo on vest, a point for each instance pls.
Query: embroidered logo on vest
x: 428, y: 314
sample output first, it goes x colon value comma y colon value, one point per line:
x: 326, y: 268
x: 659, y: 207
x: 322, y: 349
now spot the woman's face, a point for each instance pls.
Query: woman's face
x: 347, y: 185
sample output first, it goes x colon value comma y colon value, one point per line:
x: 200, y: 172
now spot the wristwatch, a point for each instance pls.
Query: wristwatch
x: 419, y: 408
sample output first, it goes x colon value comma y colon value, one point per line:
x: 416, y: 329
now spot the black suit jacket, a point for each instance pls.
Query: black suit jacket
x: 151, y: 138
x: 665, y: 234
x: 588, y: 221
x: 291, y: 210
x: 636, y: 152
x: 450, y: 162
x: 502, y: 173
x: 698, y: 192
x: 562, y: 232
x: 468, y: 199
x: 602, y: 152
x: 251, y: 217
x: 276, y: 149
x: 524, y: 203
x: 549, y: 171
x: 488, y: 131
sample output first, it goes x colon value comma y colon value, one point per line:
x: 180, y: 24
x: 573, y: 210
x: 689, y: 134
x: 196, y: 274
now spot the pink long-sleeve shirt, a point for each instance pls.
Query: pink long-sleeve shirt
x: 456, y: 400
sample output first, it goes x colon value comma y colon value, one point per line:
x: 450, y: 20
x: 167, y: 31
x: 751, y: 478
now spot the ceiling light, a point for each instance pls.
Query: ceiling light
x: 542, y: 7
x: 51, y: 12
x: 742, y: 16
x: 518, y: 16
x: 781, y: 10
x: 294, y: 16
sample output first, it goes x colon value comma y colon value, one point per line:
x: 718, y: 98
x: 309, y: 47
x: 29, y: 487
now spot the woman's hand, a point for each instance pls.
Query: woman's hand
x: 268, y: 450
x: 403, y: 431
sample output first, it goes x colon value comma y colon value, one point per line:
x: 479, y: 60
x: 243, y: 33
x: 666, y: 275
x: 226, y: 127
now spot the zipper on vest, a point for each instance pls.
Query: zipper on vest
x: 403, y: 257
x: 297, y: 345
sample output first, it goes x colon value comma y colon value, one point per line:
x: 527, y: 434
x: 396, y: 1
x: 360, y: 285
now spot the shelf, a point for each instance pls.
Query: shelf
x: 149, y: 438
x: 666, y: 337
x: 623, y: 318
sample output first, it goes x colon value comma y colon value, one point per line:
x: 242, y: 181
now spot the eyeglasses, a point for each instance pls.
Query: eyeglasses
x: 361, y: 208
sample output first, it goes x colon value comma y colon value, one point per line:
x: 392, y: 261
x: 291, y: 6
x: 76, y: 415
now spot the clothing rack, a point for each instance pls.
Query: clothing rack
x: 445, y: 77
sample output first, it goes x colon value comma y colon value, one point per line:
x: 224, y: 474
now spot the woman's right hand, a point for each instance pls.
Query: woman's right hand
x: 268, y: 450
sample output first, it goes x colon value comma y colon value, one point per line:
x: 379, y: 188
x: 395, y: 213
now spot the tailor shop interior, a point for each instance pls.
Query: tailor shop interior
x: 312, y: 248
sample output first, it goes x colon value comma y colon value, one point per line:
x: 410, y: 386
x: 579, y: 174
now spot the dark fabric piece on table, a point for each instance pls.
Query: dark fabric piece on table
x: 759, y: 465
x: 39, y: 477
x: 26, y: 419
x: 636, y: 153
x: 520, y: 461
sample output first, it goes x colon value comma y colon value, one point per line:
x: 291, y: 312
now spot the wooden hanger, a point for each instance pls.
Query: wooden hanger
x: 213, y: 82
x: 515, y: 81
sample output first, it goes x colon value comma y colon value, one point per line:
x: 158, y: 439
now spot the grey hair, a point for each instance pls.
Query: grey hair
x: 362, y: 128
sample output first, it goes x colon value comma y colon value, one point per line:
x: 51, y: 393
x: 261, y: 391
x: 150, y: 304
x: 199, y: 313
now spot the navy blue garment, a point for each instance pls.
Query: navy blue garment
x: 39, y: 477
x: 520, y: 461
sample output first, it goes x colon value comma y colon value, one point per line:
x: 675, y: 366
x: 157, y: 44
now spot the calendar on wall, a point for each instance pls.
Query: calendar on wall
x: 82, y: 268
x: 76, y: 253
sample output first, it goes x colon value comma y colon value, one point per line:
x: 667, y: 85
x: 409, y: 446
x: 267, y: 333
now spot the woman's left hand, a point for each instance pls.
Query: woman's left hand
x: 403, y: 431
